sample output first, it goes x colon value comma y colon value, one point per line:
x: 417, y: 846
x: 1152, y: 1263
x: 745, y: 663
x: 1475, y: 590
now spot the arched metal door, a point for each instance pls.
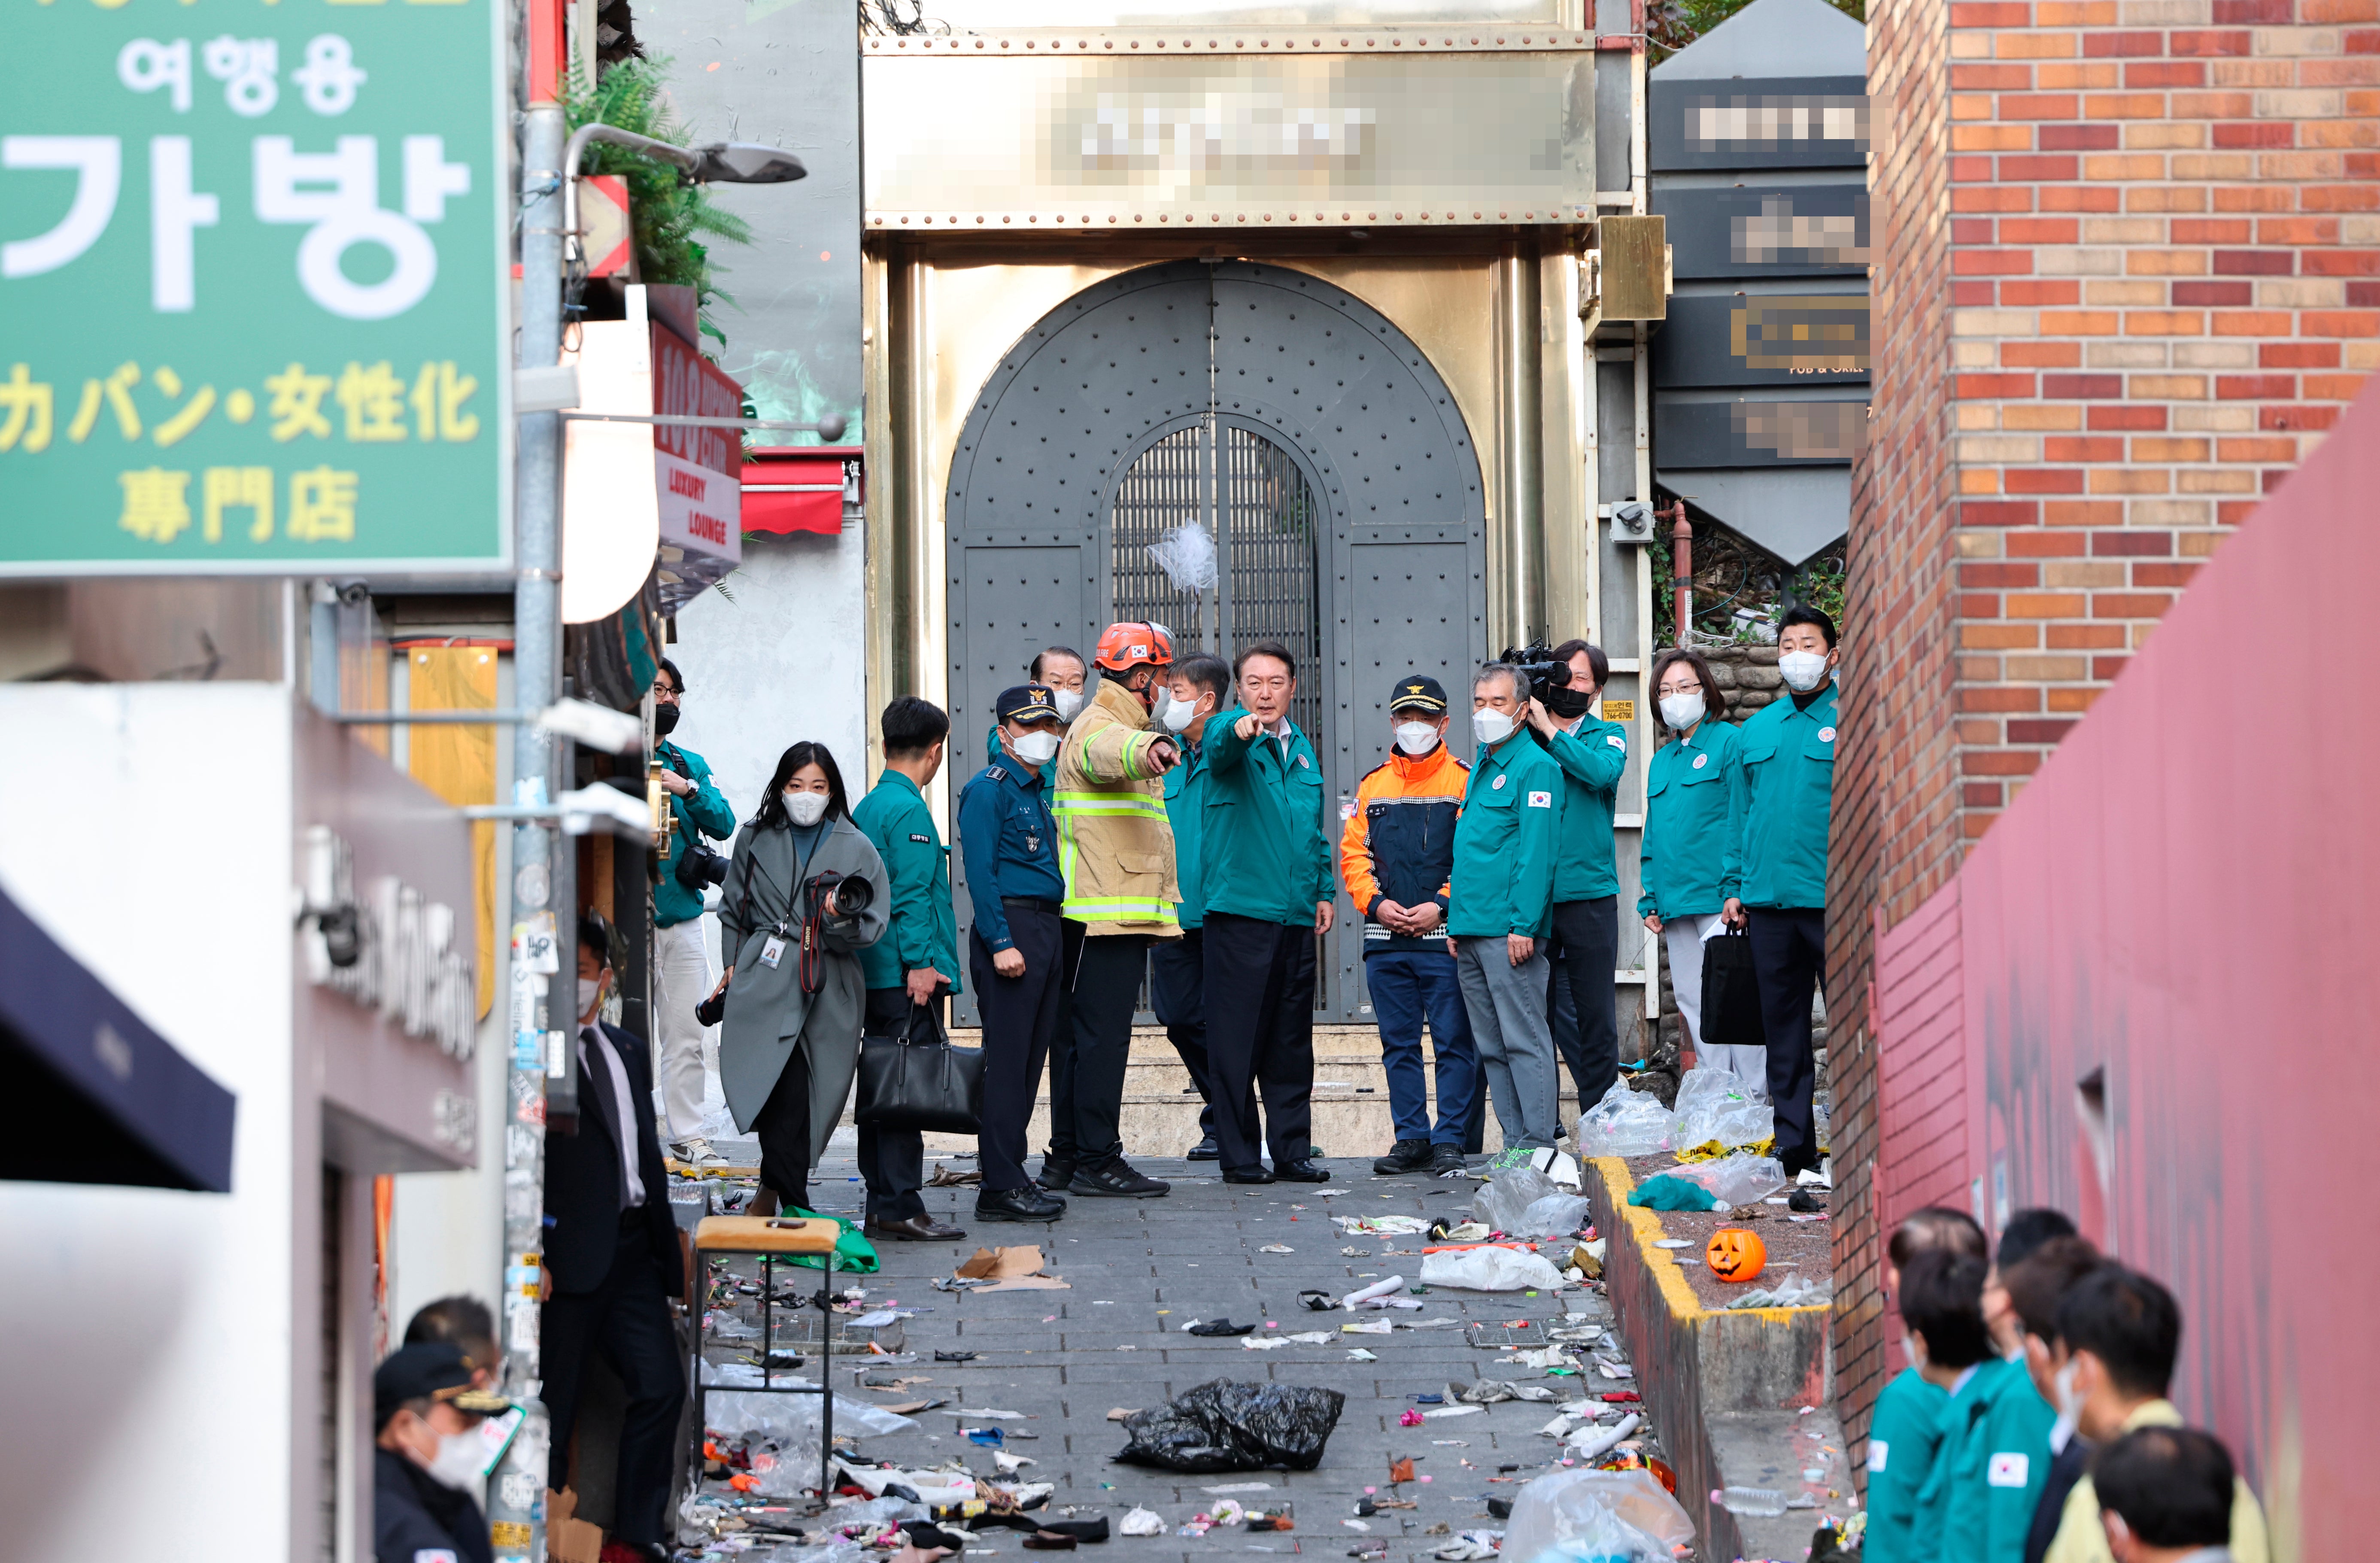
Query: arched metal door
x: 1301, y: 428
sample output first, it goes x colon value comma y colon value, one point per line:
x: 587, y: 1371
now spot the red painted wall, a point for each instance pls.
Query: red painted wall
x: 2182, y: 898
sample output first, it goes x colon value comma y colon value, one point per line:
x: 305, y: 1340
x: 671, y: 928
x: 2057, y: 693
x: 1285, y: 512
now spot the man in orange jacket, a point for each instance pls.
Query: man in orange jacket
x: 1396, y: 853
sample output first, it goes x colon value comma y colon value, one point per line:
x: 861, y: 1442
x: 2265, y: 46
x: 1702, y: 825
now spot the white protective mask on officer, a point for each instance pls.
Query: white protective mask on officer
x: 1069, y: 702
x: 1682, y: 711
x: 458, y: 1461
x: 806, y: 808
x: 1490, y: 725
x: 1417, y: 738
x: 1035, y: 749
x: 1803, y: 670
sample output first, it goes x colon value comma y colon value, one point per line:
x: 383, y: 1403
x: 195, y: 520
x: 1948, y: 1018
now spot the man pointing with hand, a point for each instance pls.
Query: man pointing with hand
x: 1265, y: 867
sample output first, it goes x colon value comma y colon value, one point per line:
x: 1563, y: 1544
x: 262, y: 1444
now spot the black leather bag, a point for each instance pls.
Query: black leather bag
x: 918, y: 1080
x: 1730, y: 992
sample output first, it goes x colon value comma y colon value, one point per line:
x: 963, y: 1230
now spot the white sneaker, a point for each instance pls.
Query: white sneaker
x: 697, y: 1151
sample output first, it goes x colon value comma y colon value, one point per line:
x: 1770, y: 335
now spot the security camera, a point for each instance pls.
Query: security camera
x: 1631, y: 522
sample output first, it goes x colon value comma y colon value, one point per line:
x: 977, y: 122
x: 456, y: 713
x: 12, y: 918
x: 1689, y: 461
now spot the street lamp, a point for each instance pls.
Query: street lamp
x: 720, y: 163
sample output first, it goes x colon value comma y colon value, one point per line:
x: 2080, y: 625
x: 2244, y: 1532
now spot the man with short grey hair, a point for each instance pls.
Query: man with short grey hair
x: 1502, y: 908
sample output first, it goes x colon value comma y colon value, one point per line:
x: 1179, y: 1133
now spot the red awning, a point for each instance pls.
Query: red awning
x: 799, y: 488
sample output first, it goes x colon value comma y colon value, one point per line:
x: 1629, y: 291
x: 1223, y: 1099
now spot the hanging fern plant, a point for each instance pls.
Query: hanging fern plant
x: 668, y: 219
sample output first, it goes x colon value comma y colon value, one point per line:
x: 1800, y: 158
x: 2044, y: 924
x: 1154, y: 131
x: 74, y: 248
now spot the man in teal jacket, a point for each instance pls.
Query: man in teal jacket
x: 1199, y: 688
x: 1781, y: 800
x: 917, y: 959
x: 1264, y: 870
x: 1584, y: 949
x: 682, y: 975
x: 1941, y: 1303
x: 1501, y: 908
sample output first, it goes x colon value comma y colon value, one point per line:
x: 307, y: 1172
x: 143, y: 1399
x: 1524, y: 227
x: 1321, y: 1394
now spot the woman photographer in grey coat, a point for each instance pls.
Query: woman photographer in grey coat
x: 804, y: 893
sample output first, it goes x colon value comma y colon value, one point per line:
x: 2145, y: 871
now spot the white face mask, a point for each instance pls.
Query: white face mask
x: 1490, y: 725
x: 2070, y: 1400
x: 1069, y: 702
x: 589, y: 988
x: 806, y: 808
x: 1681, y: 712
x: 1417, y: 737
x: 458, y: 1461
x: 1804, y: 670
x: 1180, y: 714
x: 1035, y: 749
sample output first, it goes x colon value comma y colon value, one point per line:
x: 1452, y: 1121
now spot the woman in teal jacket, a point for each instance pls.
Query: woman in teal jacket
x: 1685, y: 836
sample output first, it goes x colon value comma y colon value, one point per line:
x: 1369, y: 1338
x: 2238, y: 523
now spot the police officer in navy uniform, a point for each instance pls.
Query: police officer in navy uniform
x: 1008, y: 840
x: 426, y: 1456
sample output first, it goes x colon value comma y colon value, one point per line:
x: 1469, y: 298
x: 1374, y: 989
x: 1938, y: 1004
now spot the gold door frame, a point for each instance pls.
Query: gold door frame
x: 1494, y: 310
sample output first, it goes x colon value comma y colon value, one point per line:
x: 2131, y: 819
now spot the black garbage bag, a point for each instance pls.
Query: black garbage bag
x: 1228, y: 1426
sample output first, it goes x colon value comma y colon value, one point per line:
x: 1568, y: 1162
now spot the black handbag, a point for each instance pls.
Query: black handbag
x: 917, y: 1079
x: 1730, y: 1015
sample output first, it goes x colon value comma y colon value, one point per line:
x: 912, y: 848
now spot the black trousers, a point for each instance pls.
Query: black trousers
x: 1581, y: 994
x: 1107, y: 990
x: 1259, y: 990
x: 626, y: 1320
x: 891, y: 1161
x: 1061, y: 1047
x: 1018, y: 1014
x: 1789, y: 955
x: 1177, y: 981
x: 784, y: 1129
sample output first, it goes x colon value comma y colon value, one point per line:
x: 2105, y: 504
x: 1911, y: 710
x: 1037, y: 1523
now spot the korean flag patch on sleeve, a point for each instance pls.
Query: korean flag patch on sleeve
x: 2007, y: 1471
x: 1541, y: 800
x: 1878, y: 1451
x: 1616, y: 741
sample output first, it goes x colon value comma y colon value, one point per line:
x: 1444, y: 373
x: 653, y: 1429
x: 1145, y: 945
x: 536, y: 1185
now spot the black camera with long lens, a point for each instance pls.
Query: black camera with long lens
x: 697, y: 866
x: 838, y: 895
x: 1549, y: 679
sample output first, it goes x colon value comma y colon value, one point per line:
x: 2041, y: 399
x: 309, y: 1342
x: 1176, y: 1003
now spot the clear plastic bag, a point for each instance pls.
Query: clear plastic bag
x: 1793, y: 1291
x: 1737, y: 1179
x: 1627, y: 1122
x: 1506, y: 1195
x: 1556, y: 1216
x: 1574, y: 1516
x: 1490, y: 1269
x: 1715, y: 1104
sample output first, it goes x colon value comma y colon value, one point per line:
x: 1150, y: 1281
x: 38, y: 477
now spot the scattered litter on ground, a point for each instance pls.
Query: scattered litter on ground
x: 1010, y: 1269
x: 1627, y: 1122
x: 1143, y: 1522
x: 1375, y: 1327
x: 954, y: 1356
x: 1216, y: 1327
x: 1276, y: 1247
x: 1454, y: 1411
x: 1794, y: 1292
x: 1380, y: 1225
x: 1358, y: 1354
x: 1237, y: 1487
x: 1380, y: 1294
x: 1671, y: 1243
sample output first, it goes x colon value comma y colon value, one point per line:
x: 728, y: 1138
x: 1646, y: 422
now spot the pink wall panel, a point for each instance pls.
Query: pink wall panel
x: 2181, y: 898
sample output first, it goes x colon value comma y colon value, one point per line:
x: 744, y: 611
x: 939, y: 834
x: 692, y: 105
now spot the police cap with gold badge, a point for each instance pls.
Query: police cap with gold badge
x: 1026, y: 702
x: 1418, y: 691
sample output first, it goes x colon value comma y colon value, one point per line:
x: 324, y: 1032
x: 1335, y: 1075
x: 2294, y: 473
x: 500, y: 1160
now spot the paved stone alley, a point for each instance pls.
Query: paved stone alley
x: 1138, y: 1272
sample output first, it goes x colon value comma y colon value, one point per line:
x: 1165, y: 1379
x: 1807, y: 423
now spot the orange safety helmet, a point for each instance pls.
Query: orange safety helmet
x: 1131, y: 644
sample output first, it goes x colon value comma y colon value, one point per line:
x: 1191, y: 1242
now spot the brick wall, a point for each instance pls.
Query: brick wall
x: 2127, y: 269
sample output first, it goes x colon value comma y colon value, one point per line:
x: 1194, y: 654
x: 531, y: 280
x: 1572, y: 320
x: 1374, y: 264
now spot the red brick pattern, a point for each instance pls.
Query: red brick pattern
x: 2126, y: 273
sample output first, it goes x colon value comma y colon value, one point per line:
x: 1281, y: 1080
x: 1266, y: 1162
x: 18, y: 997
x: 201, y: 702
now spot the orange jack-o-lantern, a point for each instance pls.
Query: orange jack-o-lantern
x: 1735, y: 1254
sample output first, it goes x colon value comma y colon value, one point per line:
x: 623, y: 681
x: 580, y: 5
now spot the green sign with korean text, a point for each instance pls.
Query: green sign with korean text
x: 253, y: 270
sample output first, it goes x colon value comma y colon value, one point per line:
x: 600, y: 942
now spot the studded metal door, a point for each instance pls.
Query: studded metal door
x: 1294, y: 422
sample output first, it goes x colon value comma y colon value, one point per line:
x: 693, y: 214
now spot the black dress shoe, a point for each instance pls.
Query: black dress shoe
x: 1205, y: 1151
x: 1304, y: 1169
x: 1405, y: 1155
x: 1057, y: 1172
x: 1116, y: 1180
x: 914, y: 1229
x: 1027, y: 1204
x: 1255, y: 1172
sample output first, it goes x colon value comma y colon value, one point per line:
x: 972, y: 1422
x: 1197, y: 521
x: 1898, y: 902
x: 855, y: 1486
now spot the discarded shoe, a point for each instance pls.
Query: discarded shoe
x: 1116, y: 1179
x: 1805, y: 1201
x: 1221, y: 1326
x: 1405, y: 1155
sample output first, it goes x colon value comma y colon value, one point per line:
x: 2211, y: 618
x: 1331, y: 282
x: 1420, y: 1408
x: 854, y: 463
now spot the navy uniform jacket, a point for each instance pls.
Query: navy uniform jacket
x: 417, y: 1519
x: 1009, y: 841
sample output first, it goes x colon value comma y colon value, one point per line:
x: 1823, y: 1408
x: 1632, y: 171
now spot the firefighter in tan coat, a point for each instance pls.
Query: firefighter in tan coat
x: 1115, y: 852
